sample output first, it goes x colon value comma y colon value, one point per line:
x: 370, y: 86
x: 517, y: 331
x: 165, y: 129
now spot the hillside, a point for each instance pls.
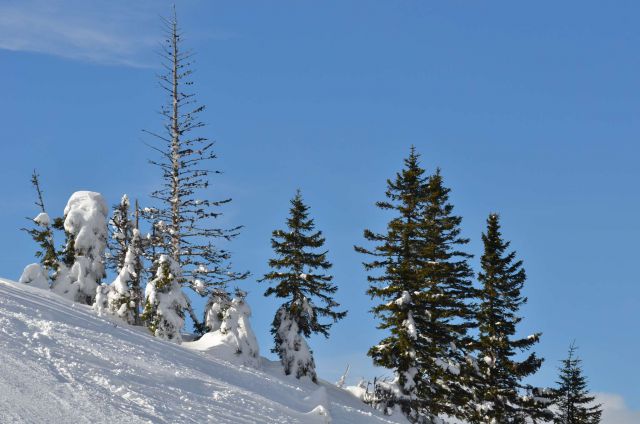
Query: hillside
x: 61, y: 363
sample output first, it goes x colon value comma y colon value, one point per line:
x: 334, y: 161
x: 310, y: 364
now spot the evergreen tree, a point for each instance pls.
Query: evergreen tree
x: 217, y: 304
x: 448, y: 300
x: 182, y: 221
x: 42, y: 234
x: 572, y: 399
x: 424, y: 295
x: 298, y: 274
x: 165, y: 302
x: 121, y: 229
x: 236, y: 328
x: 85, y: 224
x: 397, y: 255
x: 122, y: 298
x: 499, y: 382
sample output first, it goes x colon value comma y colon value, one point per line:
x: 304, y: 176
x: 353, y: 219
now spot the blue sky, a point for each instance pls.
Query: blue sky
x: 531, y: 110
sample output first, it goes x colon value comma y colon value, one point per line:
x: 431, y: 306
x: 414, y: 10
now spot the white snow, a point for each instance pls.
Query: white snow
x: 293, y: 349
x: 410, y: 325
x: 86, y: 220
x: 404, y: 299
x: 164, y: 296
x: 234, y: 336
x: 42, y: 219
x: 60, y: 363
x: 35, y: 276
x: 112, y: 298
x: 217, y: 304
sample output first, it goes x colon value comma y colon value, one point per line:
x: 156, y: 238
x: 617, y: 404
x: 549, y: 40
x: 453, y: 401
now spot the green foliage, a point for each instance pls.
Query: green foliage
x: 297, y: 273
x: 424, y: 291
x: 497, y: 387
x: 121, y: 228
x: 572, y: 399
x: 163, y: 313
x: 42, y: 233
x: 67, y: 253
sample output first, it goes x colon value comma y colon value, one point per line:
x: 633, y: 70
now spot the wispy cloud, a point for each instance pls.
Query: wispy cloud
x: 112, y: 32
x: 615, y: 410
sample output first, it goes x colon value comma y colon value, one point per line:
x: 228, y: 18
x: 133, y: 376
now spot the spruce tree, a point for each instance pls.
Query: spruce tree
x: 573, y: 402
x: 85, y: 224
x: 42, y: 234
x: 121, y: 228
x: 448, y: 300
x: 424, y: 292
x: 123, y: 296
x: 499, y: 382
x: 397, y: 255
x: 297, y: 272
x: 165, y: 302
x: 182, y: 222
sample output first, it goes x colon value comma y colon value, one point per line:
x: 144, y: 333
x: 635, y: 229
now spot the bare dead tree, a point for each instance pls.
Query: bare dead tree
x: 184, y: 219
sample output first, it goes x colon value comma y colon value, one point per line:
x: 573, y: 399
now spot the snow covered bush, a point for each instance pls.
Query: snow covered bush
x: 292, y: 347
x: 232, y: 337
x: 215, y: 309
x: 236, y: 325
x: 35, y: 276
x: 85, y: 222
x: 165, y: 302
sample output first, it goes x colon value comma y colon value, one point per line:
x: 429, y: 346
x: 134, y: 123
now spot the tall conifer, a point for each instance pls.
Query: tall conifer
x: 424, y: 292
x: 447, y: 299
x: 499, y: 383
x: 397, y: 255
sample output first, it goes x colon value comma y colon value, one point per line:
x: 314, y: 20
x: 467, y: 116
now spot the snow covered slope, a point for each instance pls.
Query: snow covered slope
x: 60, y: 363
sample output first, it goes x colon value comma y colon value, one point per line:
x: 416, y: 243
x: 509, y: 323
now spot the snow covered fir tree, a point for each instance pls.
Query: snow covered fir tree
x: 298, y: 276
x: 85, y: 223
x: 573, y: 402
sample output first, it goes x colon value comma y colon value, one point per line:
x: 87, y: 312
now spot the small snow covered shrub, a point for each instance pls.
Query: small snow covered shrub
x: 35, y: 276
x: 229, y: 327
x: 85, y: 222
x: 235, y: 323
x: 215, y: 309
x: 165, y: 302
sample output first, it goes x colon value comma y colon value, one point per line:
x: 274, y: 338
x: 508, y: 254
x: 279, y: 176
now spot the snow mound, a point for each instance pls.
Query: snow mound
x: 61, y: 363
x: 223, y: 346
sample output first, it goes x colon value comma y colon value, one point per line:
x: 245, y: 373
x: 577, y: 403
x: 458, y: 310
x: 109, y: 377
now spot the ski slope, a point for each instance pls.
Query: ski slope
x: 60, y: 363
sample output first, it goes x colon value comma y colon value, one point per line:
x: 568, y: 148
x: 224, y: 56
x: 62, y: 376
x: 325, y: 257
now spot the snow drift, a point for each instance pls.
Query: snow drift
x: 61, y: 363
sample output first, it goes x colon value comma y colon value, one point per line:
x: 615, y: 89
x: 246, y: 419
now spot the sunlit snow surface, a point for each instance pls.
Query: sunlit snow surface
x: 60, y: 363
